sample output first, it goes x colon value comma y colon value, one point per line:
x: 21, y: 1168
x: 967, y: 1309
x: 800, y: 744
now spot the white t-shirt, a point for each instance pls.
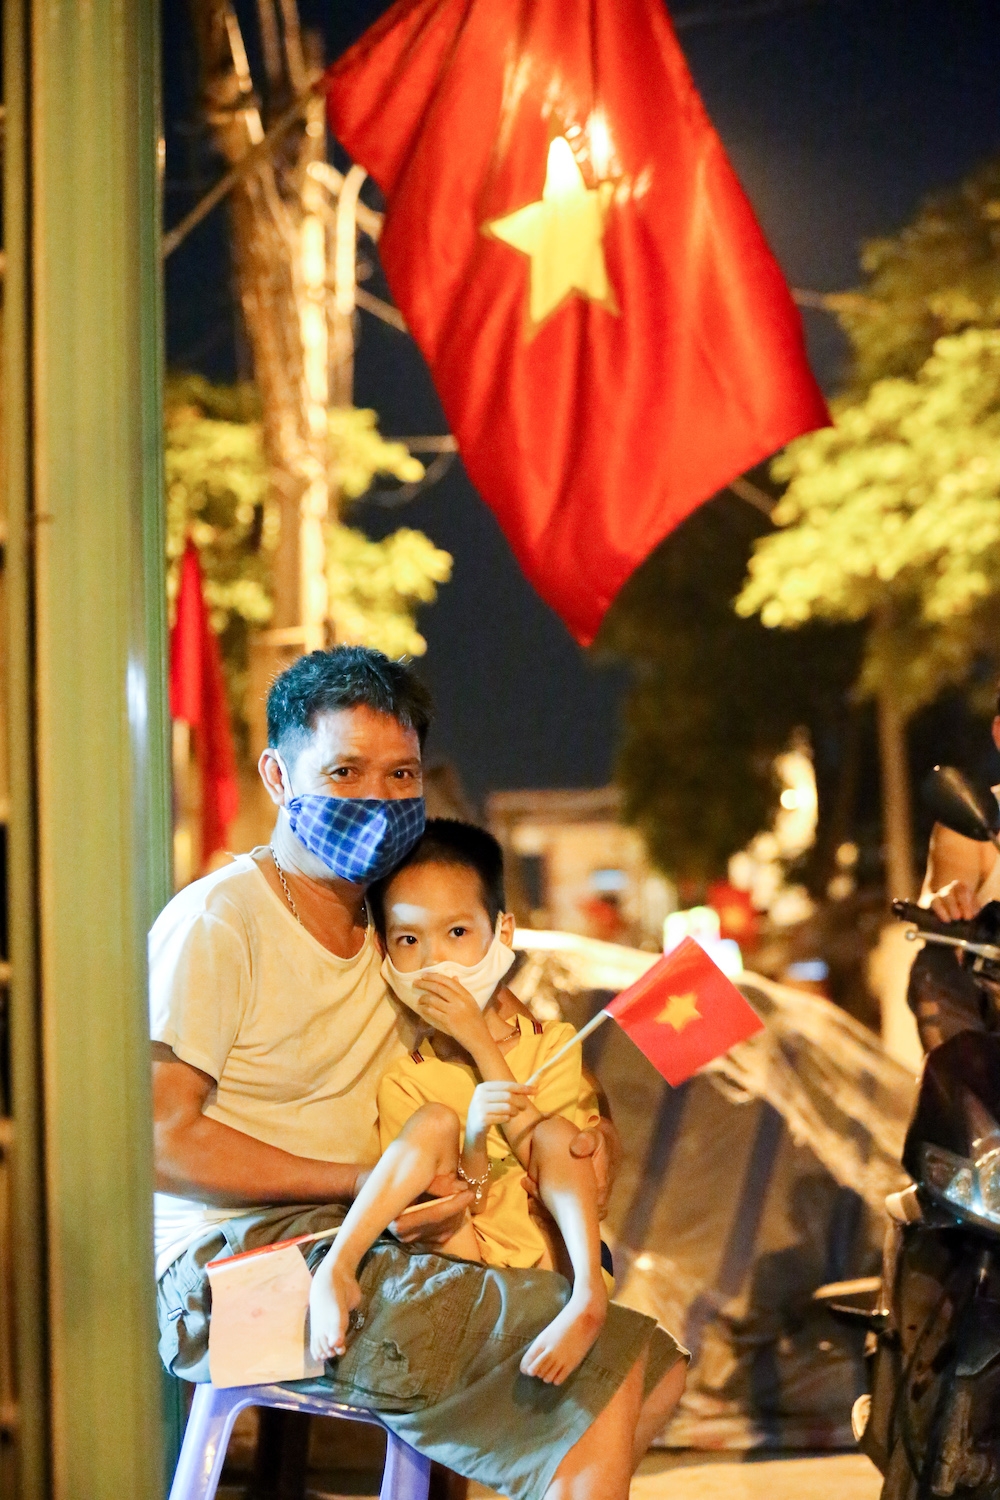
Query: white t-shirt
x: 296, y: 1038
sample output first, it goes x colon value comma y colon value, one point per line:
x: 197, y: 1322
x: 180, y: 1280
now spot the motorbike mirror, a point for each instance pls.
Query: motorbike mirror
x: 960, y: 806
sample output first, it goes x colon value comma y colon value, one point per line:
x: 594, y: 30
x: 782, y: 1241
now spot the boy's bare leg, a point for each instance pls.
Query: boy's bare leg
x: 426, y: 1147
x: 462, y: 1243
x: 657, y: 1409
x: 568, y: 1188
x: 599, y: 1465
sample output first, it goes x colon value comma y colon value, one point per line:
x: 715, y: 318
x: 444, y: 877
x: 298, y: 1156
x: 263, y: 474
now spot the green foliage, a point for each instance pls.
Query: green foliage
x: 376, y: 587
x: 359, y: 452
x: 938, y: 276
x: 888, y: 532
x: 714, y: 697
x: 893, y: 515
x: 219, y: 494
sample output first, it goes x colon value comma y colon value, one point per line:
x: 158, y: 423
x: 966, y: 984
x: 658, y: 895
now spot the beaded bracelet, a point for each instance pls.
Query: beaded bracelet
x: 477, y: 1184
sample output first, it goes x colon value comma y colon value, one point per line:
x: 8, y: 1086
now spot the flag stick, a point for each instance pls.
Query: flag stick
x: 602, y: 1015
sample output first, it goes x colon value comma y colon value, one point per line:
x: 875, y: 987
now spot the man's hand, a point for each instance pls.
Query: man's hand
x: 954, y: 902
x: 448, y: 1005
x: 433, y: 1223
x: 956, y: 869
x: 602, y: 1144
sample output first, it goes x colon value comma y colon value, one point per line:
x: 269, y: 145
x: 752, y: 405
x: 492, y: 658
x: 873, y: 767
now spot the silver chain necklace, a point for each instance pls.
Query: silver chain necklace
x: 289, y: 898
x: 284, y: 886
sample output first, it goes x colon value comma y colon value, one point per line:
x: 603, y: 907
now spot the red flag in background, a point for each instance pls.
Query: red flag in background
x: 198, y: 696
x: 684, y: 1012
x: 610, y: 336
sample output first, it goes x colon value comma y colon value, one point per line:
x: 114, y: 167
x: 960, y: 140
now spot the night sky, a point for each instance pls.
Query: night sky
x: 839, y: 116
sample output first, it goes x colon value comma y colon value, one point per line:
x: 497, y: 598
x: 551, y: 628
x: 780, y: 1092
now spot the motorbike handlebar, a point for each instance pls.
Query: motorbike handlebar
x: 926, y: 920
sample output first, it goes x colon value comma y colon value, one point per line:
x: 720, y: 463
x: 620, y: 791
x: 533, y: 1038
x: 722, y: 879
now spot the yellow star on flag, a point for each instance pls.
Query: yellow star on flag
x: 680, y: 1011
x: 562, y: 234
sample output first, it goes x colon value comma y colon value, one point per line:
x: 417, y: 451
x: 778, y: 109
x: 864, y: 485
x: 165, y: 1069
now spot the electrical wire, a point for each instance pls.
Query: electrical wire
x: 389, y: 499
x: 712, y: 15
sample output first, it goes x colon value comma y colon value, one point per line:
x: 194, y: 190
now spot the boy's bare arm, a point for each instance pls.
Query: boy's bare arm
x: 518, y: 1126
x: 450, y: 1007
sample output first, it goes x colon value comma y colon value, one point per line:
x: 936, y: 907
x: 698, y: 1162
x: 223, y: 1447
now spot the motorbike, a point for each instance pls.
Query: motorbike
x: 931, y: 1422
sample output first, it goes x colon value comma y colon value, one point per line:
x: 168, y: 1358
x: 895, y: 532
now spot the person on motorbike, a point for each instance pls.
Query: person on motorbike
x: 929, y: 1421
x: 962, y: 876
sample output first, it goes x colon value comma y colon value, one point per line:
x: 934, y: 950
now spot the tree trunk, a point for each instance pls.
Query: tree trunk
x: 897, y: 816
x: 837, y: 807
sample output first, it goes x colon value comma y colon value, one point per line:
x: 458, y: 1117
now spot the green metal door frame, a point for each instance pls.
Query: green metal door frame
x: 90, y: 817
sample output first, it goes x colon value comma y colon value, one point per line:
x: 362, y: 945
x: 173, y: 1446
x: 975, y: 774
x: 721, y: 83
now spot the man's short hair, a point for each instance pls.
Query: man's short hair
x: 446, y: 841
x: 345, y: 677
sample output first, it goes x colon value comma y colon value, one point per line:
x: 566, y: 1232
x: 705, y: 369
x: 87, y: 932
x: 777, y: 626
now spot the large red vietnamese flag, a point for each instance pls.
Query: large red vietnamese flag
x: 610, y: 336
x: 684, y: 1012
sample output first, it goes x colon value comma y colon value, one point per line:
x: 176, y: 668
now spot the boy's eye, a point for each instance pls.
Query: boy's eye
x: 459, y: 931
x: 406, y: 940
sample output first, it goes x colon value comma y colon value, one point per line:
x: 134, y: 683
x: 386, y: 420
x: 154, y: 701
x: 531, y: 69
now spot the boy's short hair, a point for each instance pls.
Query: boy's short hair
x: 345, y: 677
x: 446, y: 841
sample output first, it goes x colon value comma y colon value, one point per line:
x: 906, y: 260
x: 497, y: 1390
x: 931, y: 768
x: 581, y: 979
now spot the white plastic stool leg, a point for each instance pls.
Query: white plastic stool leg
x: 407, y: 1474
x: 206, y: 1438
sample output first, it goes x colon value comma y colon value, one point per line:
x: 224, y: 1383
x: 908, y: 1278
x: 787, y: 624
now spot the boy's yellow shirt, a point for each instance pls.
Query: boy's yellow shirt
x: 507, y: 1233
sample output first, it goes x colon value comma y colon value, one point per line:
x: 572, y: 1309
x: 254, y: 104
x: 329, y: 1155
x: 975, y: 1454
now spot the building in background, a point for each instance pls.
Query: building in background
x: 572, y: 865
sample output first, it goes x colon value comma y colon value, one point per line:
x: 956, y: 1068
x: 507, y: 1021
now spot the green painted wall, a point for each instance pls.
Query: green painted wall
x: 89, y: 808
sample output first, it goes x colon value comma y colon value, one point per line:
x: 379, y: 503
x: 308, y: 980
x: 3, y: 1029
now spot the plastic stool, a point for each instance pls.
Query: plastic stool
x: 406, y: 1475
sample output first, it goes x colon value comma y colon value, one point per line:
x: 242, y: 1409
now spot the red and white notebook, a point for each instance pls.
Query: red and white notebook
x: 259, y: 1331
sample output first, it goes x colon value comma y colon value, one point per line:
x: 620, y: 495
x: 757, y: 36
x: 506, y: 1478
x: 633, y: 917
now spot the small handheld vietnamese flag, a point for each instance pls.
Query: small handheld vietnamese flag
x: 682, y: 1014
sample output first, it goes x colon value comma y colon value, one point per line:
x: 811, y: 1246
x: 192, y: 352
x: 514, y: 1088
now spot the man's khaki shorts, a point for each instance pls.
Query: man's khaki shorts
x: 435, y: 1348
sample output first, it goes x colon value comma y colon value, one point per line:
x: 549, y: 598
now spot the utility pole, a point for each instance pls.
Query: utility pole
x: 282, y: 225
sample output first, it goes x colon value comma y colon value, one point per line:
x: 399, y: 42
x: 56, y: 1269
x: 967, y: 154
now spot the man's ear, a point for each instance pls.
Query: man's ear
x: 273, y: 776
x: 996, y: 731
x: 507, y: 925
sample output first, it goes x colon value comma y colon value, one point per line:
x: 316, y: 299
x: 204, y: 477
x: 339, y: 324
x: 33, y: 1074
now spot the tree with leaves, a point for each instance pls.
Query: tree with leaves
x: 715, y: 697
x: 219, y: 493
x: 938, y: 276
x: 892, y: 516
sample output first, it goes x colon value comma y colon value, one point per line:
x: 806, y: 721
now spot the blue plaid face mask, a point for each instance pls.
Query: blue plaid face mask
x: 358, y: 838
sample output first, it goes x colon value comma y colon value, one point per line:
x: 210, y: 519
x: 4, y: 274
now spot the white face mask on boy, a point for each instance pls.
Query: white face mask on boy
x: 479, y: 979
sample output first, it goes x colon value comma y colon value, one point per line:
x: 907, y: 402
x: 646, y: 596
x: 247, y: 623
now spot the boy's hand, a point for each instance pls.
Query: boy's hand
x: 493, y: 1104
x: 449, y: 1006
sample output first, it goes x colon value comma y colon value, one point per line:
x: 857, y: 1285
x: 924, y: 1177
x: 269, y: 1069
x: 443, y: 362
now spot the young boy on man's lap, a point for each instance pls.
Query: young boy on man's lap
x: 460, y: 1100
